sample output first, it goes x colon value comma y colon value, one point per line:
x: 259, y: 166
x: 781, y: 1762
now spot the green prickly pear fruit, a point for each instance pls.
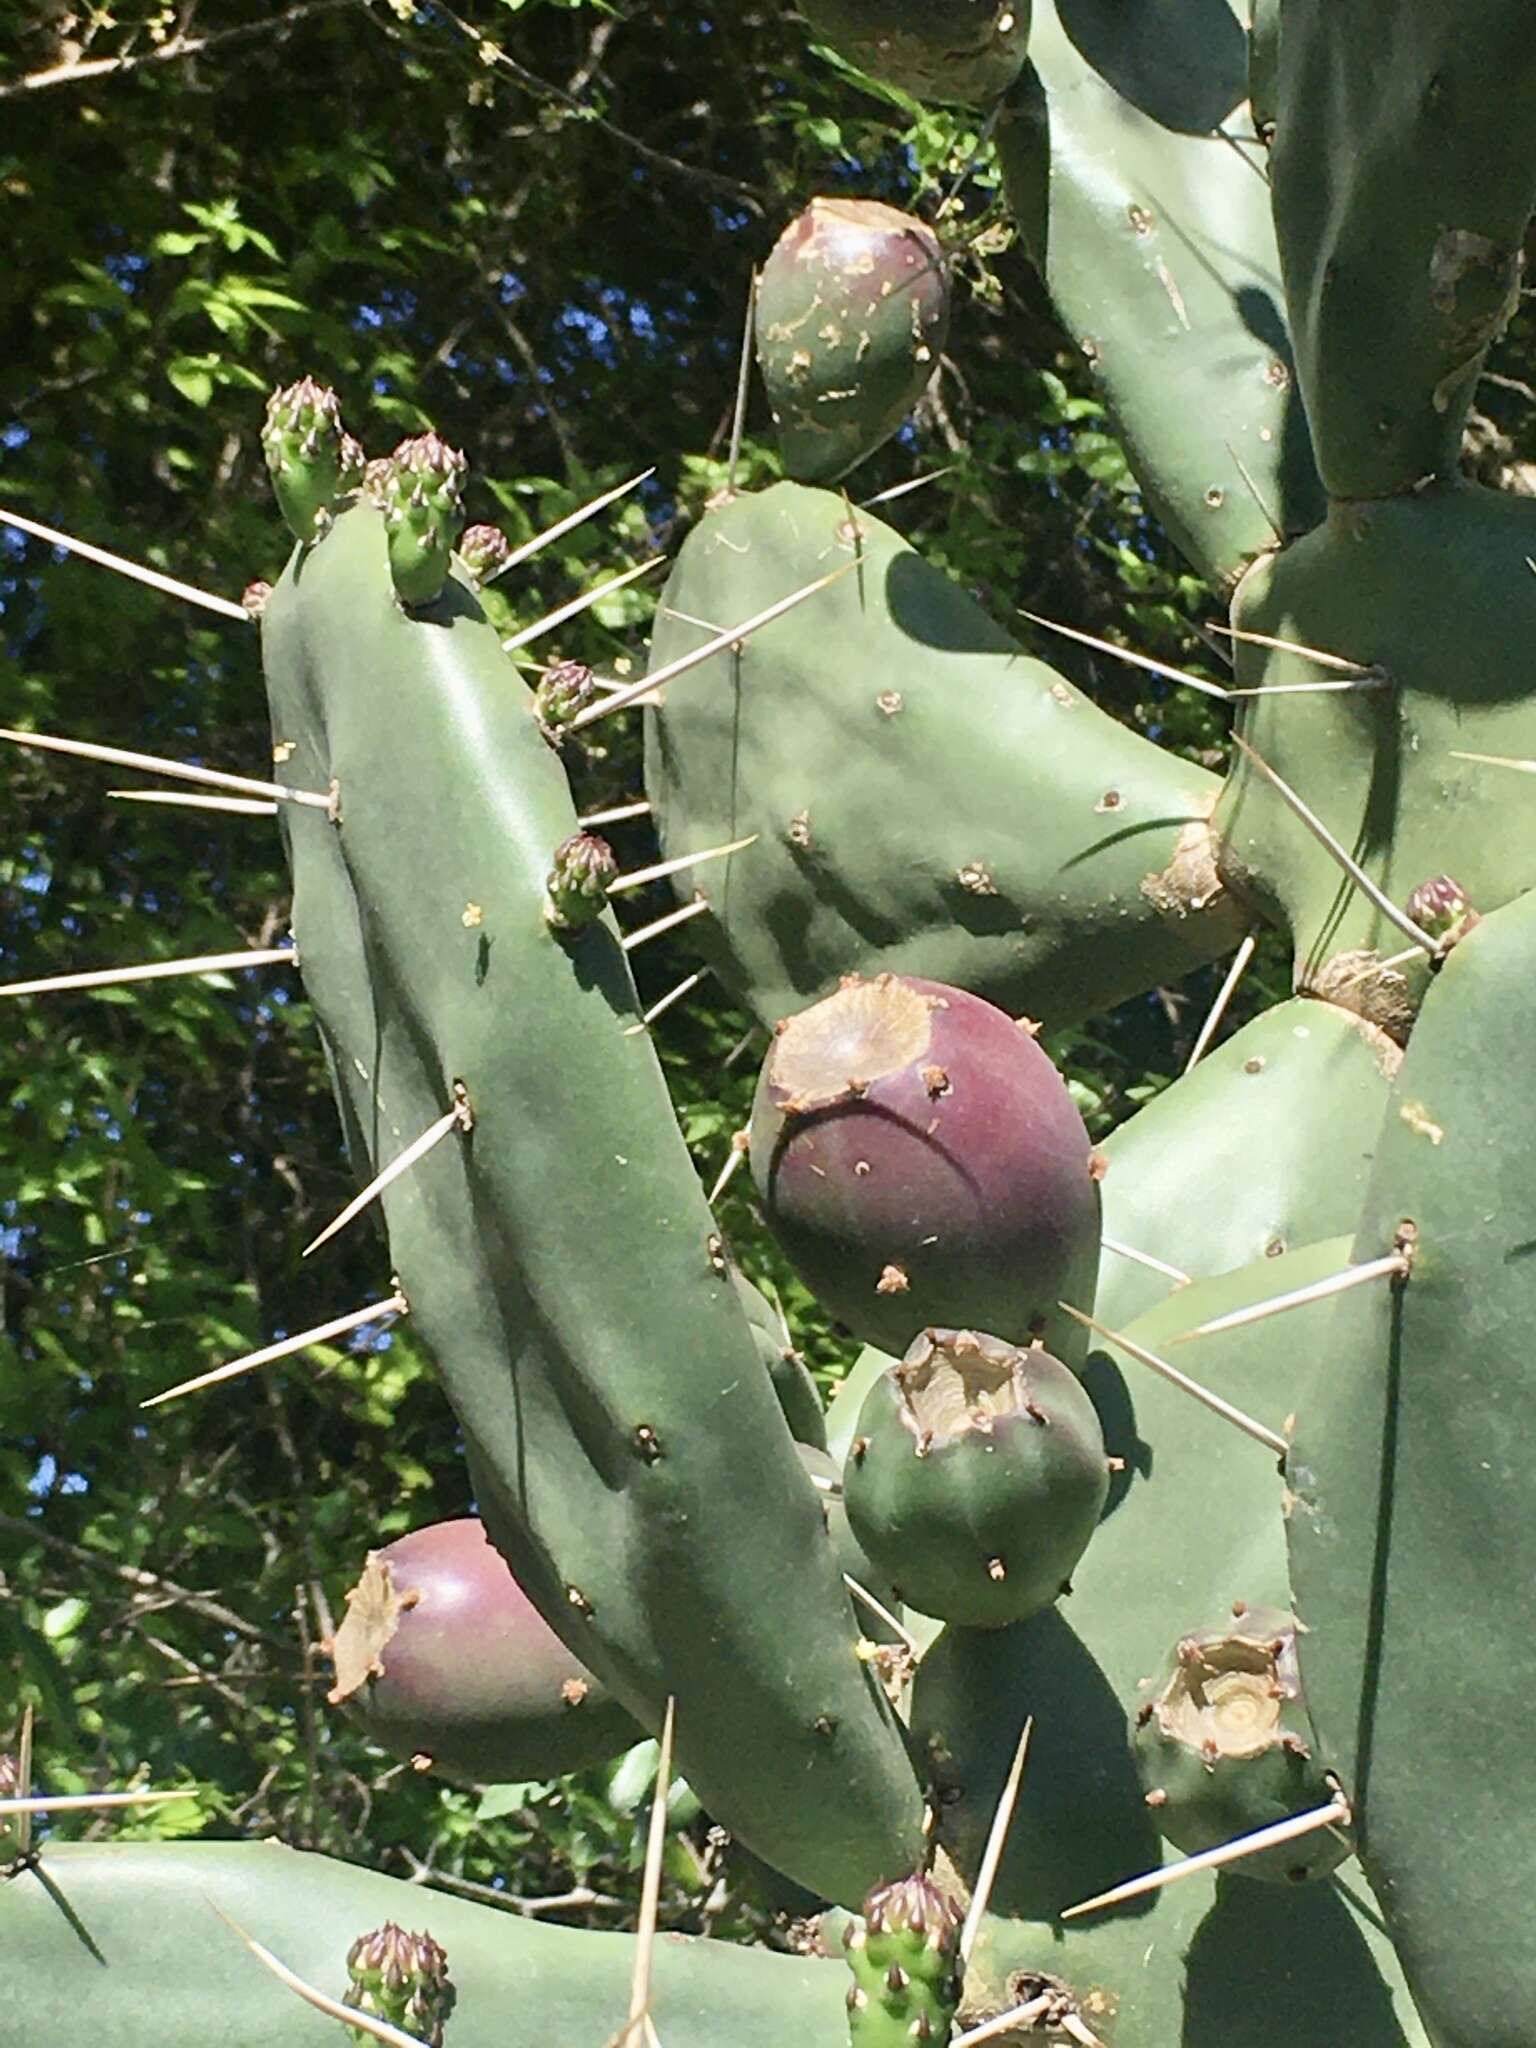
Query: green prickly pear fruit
x: 921, y: 1162
x: 312, y: 459
x: 1224, y: 1746
x: 976, y: 1478
x: 852, y: 312
x: 967, y: 50
x: 905, y: 1959
x: 1441, y: 908
x: 402, y: 1978
x: 563, y: 691
x: 576, y: 887
x: 454, y: 1669
x: 422, y: 499
x: 484, y: 551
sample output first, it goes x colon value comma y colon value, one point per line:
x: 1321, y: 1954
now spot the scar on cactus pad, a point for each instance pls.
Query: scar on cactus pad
x: 977, y: 1477
x: 1224, y: 1746
x: 454, y: 1670
x: 852, y: 311
x: 921, y: 1162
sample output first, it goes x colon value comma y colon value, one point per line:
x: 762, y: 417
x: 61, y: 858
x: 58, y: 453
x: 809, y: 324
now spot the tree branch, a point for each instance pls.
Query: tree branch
x: 167, y: 52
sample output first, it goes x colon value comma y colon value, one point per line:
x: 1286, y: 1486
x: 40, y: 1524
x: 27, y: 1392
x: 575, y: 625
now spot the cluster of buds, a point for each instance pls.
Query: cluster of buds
x: 564, y: 692
x: 576, y: 887
x: 402, y: 1978
x: 313, y: 460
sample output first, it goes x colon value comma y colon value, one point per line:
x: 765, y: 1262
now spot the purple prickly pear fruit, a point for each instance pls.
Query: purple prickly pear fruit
x: 977, y: 1477
x: 563, y: 691
x: 1224, y: 1746
x: 920, y: 1160
x: 852, y: 312
x: 454, y: 1669
x: 312, y: 459
x: 484, y: 551
x: 576, y: 887
x: 1441, y: 908
x: 421, y: 493
x: 402, y: 1978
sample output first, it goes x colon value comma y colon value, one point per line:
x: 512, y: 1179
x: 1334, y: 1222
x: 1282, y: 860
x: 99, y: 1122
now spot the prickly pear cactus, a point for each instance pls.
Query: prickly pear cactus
x: 1212, y: 1571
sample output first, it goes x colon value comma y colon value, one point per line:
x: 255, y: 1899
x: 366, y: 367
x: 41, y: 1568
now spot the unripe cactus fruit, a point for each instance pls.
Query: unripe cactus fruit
x: 312, y: 459
x: 563, y: 691
x: 402, y: 1978
x: 483, y: 550
x: 970, y: 50
x: 1224, y: 1746
x: 852, y: 312
x: 921, y: 1162
x: 976, y: 1478
x: 454, y: 1669
x: 905, y: 1959
x: 421, y: 496
x: 577, y: 884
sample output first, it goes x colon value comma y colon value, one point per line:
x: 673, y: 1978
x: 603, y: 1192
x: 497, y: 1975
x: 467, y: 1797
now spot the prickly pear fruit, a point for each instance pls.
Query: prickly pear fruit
x: 421, y: 496
x: 977, y: 1477
x: 402, y: 1978
x: 484, y: 551
x: 454, y: 1669
x: 311, y: 457
x: 921, y: 1162
x: 852, y: 311
x: 968, y: 50
x: 577, y: 884
x: 1224, y: 1746
x: 905, y: 1959
x: 563, y: 691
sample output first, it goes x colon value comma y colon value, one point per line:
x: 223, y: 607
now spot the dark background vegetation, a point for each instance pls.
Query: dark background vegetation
x: 531, y: 225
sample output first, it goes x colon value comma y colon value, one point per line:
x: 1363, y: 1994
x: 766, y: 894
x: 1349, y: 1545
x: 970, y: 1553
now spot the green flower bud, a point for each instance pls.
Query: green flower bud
x: 483, y: 550
x: 564, y: 691
x: 422, y: 497
x: 402, y: 1978
x: 312, y: 459
x: 577, y: 884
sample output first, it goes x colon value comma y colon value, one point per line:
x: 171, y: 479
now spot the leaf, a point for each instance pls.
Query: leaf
x: 191, y: 377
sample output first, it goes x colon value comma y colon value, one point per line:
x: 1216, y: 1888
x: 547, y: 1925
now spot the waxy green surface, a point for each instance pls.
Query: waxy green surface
x: 1154, y: 237
x: 1413, y: 1533
x: 1193, y: 1524
x: 929, y: 799
x: 627, y: 1449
